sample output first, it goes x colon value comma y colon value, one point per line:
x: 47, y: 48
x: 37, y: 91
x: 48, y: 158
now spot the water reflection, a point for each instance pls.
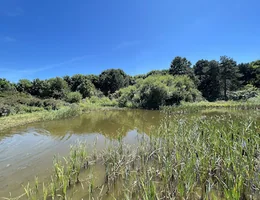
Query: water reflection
x: 28, y: 150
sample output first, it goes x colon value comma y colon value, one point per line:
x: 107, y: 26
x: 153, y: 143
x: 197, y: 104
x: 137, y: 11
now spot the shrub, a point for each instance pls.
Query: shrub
x: 5, y: 110
x: 36, y: 102
x: 51, y: 104
x: 104, y: 101
x: 155, y: 91
x: 249, y: 91
x: 125, y: 96
x: 86, y: 88
x: 73, y: 97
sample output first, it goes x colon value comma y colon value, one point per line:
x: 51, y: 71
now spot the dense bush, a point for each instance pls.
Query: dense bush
x: 5, y: 110
x: 112, y: 80
x: 52, y: 104
x: 73, y: 97
x: 104, y: 101
x: 126, y: 97
x: 155, y: 91
x: 249, y: 91
x: 86, y: 88
x: 16, y: 102
x: 6, y: 85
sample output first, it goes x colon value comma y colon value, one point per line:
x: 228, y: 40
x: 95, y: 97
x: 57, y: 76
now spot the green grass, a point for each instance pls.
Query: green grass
x: 22, y: 119
x: 186, y: 107
x: 215, y: 157
x: 71, y: 110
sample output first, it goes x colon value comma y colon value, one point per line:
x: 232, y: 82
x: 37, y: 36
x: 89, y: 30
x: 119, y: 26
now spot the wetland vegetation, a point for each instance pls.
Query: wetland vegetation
x: 205, y: 156
x: 202, y: 144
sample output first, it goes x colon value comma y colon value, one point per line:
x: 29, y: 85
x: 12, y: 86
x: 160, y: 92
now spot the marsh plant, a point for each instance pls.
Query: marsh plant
x: 212, y: 157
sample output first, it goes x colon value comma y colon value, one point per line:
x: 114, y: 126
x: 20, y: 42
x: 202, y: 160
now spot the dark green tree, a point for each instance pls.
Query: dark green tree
x: 24, y: 85
x: 39, y: 88
x: 180, y: 66
x: 208, y: 75
x: 6, y: 85
x: 68, y: 80
x: 246, y: 72
x: 255, y: 66
x: 229, y: 75
x: 57, y: 88
x: 76, y: 80
x: 112, y: 80
x: 86, y: 88
x: 94, y: 79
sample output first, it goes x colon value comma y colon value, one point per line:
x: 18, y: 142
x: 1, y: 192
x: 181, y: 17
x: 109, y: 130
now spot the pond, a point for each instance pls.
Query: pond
x: 28, y: 150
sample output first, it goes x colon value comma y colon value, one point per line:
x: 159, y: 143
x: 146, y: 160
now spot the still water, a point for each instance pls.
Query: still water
x: 28, y: 150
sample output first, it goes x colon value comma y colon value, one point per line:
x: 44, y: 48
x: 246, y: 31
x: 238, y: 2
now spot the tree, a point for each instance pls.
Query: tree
x: 57, y: 88
x: 255, y: 73
x: 157, y: 72
x: 76, y: 80
x: 157, y: 90
x: 180, y: 66
x: 112, y: 80
x: 40, y: 88
x: 5, y: 85
x: 86, y: 88
x: 24, y: 85
x: 246, y: 72
x: 73, y: 97
x: 68, y: 80
x: 228, y: 74
x: 94, y: 79
x: 152, y: 93
x: 208, y: 75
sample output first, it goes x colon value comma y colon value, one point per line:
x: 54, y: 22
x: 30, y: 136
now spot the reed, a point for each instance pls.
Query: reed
x: 212, y: 157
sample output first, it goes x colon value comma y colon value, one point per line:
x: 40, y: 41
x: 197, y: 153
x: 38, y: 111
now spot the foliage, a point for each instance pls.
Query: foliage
x: 208, y: 74
x: 57, y: 88
x: 17, y: 103
x: 5, y: 85
x: 216, y: 80
x: 126, y: 97
x: 206, y: 157
x: 24, y: 85
x: 86, y: 88
x: 103, y: 101
x: 94, y: 79
x: 75, y: 81
x: 40, y: 88
x: 155, y: 91
x: 255, y: 67
x: 112, y: 80
x: 73, y: 97
x: 249, y: 91
x: 228, y: 75
x: 180, y: 66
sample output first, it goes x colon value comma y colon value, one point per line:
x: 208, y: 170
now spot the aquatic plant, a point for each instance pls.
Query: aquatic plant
x: 207, y: 157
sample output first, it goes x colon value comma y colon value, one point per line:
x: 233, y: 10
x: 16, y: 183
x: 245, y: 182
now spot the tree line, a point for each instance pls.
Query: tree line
x: 215, y: 80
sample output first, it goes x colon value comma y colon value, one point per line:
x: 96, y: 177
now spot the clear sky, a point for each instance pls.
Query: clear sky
x: 63, y: 37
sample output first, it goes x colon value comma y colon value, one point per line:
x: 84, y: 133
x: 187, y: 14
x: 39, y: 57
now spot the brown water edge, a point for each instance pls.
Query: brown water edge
x: 28, y: 150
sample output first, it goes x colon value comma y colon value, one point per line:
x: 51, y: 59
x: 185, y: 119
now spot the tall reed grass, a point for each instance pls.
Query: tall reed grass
x: 213, y: 157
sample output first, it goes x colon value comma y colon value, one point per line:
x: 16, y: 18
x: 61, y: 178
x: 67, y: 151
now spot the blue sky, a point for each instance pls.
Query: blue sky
x: 63, y: 37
